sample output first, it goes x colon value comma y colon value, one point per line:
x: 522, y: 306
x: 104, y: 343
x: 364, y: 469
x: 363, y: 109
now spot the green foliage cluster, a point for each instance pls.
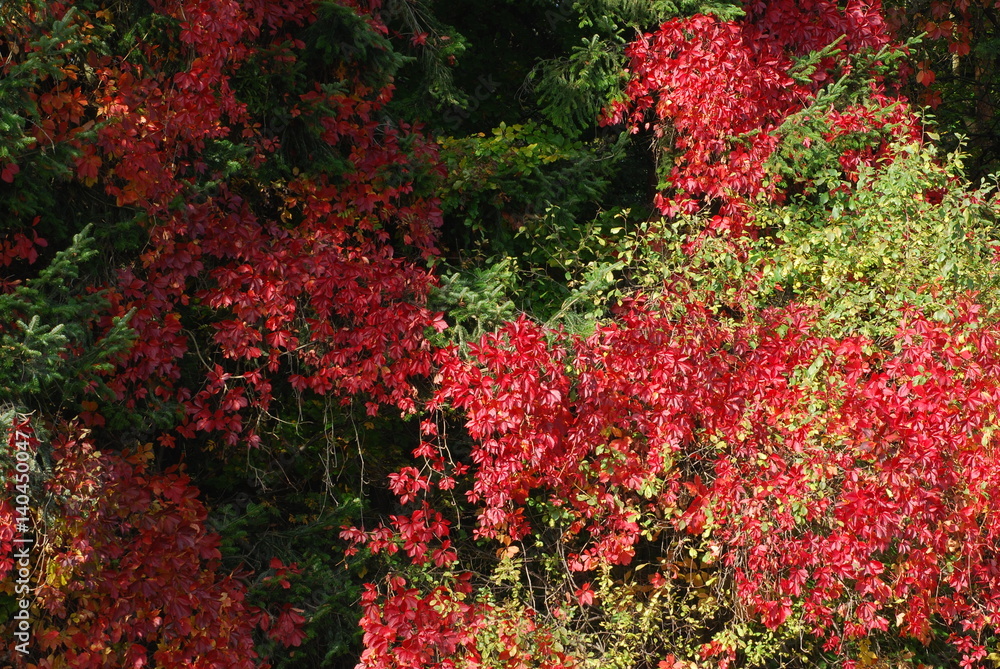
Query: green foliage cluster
x: 572, y: 91
x: 867, y: 251
x: 431, y: 51
x: 323, y: 585
x: 911, y: 233
x: 527, y: 198
x: 36, y: 196
x: 477, y: 301
x: 519, y: 173
x: 960, y: 46
x: 52, y: 349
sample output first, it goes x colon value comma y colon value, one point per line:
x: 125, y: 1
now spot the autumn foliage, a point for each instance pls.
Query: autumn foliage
x: 722, y: 91
x: 315, y: 281
x: 829, y: 482
x: 225, y: 242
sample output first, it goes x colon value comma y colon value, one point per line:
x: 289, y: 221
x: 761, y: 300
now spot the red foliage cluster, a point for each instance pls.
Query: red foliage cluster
x: 134, y: 569
x: 313, y: 283
x: 320, y: 282
x: 719, y: 91
x: 447, y: 626
x: 324, y: 273
x: 956, y: 24
x: 867, y: 498
x: 847, y: 484
x: 131, y: 572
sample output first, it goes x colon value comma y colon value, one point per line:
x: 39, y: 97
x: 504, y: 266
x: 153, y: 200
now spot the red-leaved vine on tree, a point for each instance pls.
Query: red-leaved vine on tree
x: 718, y: 92
x: 323, y: 272
x: 135, y: 570
x: 839, y: 486
x: 836, y: 482
x: 843, y: 488
x: 313, y: 280
x: 322, y: 284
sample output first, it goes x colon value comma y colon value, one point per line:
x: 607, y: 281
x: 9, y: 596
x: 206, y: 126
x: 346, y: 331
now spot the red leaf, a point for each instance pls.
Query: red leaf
x: 9, y: 171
